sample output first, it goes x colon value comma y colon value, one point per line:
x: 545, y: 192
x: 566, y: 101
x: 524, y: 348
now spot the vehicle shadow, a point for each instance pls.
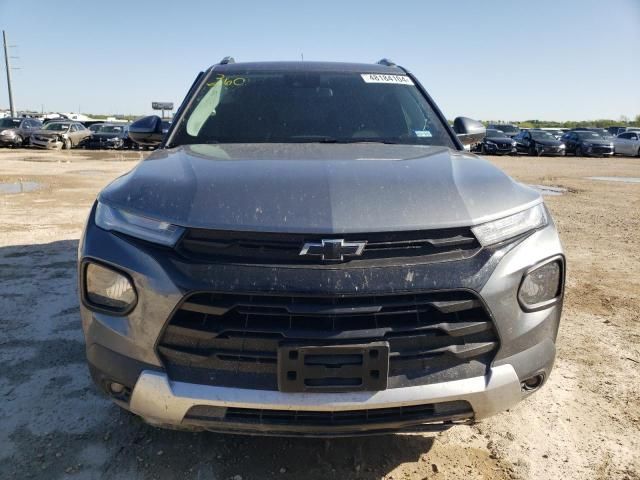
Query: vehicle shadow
x: 55, y: 422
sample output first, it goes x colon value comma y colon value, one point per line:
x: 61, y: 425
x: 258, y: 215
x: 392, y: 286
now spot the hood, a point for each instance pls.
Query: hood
x: 597, y: 142
x: 49, y: 133
x: 105, y: 135
x: 503, y: 139
x: 318, y: 188
x: 548, y: 142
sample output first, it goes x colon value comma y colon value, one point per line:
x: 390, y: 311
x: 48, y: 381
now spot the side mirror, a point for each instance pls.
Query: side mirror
x: 147, y: 131
x: 469, y: 131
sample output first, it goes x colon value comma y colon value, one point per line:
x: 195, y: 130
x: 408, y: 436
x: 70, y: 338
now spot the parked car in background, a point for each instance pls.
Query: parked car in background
x: 60, y: 134
x: 627, y: 143
x: 587, y: 143
x: 127, y: 142
x: 496, y: 142
x: 615, y: 131
x: 15, y: 132
x: 538, y: 142
x: 105, y: 135
x: 507, y: 128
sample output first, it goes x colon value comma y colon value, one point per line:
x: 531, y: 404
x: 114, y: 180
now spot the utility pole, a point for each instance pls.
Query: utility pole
x: 6, y: 62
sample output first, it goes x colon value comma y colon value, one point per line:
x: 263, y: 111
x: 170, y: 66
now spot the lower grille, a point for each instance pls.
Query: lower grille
x: 602, y: 150
x: 438, y: 412
x: 233, y: 339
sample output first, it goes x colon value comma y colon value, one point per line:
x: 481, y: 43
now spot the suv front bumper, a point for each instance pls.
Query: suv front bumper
x: 163, y: 402
x: 527, y: 344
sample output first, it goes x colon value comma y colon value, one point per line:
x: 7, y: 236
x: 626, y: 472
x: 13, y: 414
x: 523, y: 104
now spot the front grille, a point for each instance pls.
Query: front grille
x: 233, y: 339
x: 284, y: 248
x: 601, y: 149
x: 415, y: 414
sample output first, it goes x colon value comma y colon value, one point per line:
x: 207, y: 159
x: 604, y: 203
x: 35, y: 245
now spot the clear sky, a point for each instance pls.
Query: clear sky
x: 492, y: 59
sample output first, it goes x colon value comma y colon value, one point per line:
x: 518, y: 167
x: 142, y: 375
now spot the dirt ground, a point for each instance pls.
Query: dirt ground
x: 584, y: 424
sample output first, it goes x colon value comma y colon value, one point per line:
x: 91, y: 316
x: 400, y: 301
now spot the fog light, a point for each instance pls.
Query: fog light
x: 541, y: 286
x: 108, y: 289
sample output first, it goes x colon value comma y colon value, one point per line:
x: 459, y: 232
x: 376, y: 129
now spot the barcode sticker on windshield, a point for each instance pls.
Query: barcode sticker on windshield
x: 384, y: 78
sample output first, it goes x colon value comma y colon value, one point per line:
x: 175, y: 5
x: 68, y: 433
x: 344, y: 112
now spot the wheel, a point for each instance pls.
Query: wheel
x: 483, y: 150
x: 579, y: 152
x: 17, y: 141
x: 67, y: 144
x: 532, y: 150
x: 638, y: 152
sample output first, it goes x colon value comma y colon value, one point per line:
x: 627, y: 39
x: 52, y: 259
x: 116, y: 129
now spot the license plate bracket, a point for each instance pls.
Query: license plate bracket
x: 333, y: 368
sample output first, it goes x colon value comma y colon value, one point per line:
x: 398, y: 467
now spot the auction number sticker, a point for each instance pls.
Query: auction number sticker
x: 384, y: 78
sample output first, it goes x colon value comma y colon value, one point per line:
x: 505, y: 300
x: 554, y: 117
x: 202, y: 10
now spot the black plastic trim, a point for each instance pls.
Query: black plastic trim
x: 547, y: 303
x: 107, y: 365
x: 101, y: 308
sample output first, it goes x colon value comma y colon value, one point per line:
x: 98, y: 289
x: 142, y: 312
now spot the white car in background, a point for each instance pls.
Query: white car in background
x: 627, y: 143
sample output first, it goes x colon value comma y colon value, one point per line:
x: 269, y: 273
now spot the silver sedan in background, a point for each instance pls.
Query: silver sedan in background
x: 627, y: 143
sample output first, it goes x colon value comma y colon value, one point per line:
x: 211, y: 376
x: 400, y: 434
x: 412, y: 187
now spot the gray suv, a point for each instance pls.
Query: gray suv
x: 310, y: 251
x: 15, y: 132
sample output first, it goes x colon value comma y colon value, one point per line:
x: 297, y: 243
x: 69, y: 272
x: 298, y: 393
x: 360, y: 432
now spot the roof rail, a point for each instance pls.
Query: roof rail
x: 386, y: 62
x: 227, y: 60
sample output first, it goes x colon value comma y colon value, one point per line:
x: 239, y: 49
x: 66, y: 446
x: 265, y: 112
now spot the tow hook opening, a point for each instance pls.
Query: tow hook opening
x: 118, y: 391
x: 531, y: 384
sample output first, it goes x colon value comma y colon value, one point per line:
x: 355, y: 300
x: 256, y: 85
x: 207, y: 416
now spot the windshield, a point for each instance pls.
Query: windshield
x: 110, y: 129
x: 494, y: 133
x: 588, y: 135
x: 57, y: 127
x: 296, y: 107
x: 506, y: 128
x: 9, y: 122
x: 540, y: 135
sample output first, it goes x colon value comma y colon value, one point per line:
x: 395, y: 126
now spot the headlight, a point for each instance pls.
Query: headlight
x: 145, y: 228
x: 513, y: 143
x: 489, y: 142
x: 106, y: 288
x: 8, y: 133
x: 562, y: 146
x: 511, y: 226
x: 542, y: 285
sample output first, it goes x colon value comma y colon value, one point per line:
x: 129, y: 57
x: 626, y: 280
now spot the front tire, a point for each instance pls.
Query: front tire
x: 17, y: 141
x: 532, y: 150
x: 66, y: 145
x: 579, y: 152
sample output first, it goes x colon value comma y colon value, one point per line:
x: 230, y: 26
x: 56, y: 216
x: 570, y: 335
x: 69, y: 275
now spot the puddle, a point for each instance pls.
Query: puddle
x: 18, y: 187
x: 549, y: 191
x: 617, y: 179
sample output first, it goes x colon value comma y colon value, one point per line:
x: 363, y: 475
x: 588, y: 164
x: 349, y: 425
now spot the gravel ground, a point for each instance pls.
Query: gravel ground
x: 584, y: 424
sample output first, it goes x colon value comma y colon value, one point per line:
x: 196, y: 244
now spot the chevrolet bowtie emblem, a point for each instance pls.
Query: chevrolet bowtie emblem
x: 333, y: 250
